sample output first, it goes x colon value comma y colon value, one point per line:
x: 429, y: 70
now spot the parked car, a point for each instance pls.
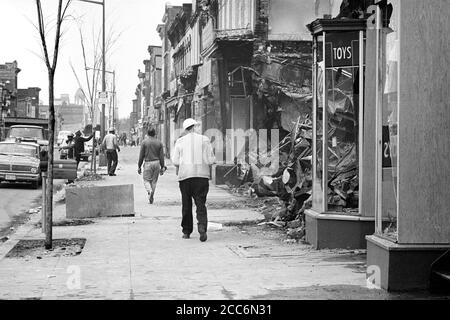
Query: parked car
x: 31, y: 133
x: 20, y: 162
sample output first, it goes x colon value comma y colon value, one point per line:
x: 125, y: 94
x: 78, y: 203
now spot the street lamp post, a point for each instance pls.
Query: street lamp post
x: 102, y: 123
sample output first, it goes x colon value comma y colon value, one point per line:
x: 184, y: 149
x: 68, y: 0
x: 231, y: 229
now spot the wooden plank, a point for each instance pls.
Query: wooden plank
x: 424, y: 126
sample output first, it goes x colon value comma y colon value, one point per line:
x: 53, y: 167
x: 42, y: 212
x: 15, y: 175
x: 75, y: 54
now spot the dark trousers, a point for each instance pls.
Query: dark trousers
x: 112, y: 159
x: 78, y: 159
x: 197, y: 189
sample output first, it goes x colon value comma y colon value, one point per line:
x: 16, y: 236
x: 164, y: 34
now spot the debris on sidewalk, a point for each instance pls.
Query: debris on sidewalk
x: 212, y: 226
x: 90, y: 176
x: 60, y: 195
x: 35, y: 210
x: 289, y: 187
x: 67, y: 223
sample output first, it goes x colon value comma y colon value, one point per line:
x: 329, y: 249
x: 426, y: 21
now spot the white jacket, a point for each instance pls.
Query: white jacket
x: 193, y: 154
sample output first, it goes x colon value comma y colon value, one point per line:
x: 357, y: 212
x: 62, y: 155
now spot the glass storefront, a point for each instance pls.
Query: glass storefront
x: 387, y: 123
x: 338, y: 83
x: 343, y: 162
x: 318, y: 200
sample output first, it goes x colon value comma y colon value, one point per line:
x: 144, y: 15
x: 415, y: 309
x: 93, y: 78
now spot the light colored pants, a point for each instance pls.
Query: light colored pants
x: 151, y: 175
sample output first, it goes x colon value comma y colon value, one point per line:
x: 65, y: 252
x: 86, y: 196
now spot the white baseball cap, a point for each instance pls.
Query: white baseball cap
x: 188, y: 123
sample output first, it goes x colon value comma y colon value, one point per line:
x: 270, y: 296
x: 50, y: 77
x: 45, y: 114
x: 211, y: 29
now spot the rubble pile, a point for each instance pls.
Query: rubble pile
x: 289, y: 187
x: 89, y: 176
x: 342, y: 150
x: 292, y: 182
x: 60, y: 195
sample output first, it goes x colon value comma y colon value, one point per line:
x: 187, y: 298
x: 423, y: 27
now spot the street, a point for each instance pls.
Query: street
x: 15, y: 199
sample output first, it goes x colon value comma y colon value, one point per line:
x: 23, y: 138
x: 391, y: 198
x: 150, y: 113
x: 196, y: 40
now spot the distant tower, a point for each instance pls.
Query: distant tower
x: 80, y: 99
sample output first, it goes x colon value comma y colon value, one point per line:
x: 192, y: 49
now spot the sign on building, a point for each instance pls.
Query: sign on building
x: 342, y: 50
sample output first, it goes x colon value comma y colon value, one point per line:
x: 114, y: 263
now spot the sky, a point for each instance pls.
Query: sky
x: 132, y: 22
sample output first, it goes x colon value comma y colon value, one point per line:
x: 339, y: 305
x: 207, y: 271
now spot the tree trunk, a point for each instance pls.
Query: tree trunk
x: 51, y: 142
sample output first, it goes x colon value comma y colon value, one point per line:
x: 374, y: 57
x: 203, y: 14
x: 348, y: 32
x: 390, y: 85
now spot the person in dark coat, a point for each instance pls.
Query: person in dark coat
x: 78, y: 148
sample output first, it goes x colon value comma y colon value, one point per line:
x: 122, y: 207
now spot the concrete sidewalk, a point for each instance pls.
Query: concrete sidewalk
x: 144, y: 257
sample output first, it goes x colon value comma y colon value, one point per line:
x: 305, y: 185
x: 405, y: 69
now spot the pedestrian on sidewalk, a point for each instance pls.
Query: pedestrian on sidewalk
x: 193, y: 157
x: 69, y: 146
x: 78, y: 147
x: 111, y: 146
x: 152, y: 156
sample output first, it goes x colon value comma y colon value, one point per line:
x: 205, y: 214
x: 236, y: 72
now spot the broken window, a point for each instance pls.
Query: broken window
x: 341, y: 157
x: 342, y: 126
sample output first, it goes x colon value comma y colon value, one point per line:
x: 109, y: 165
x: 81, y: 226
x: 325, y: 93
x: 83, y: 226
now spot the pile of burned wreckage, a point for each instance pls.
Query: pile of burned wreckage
x: 283, y: 86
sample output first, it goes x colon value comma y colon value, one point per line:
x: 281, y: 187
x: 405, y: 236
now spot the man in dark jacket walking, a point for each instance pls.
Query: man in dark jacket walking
x: 78, y: 148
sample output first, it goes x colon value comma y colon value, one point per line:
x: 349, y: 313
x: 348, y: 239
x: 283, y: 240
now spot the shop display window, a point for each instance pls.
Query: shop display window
x: 338, y: 71
x: 387, y: 123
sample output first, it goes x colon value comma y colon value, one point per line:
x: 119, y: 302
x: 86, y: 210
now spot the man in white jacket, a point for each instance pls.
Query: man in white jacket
x: 193, y: 157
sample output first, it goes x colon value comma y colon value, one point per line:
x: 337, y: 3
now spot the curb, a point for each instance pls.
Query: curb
x: 21, y: 232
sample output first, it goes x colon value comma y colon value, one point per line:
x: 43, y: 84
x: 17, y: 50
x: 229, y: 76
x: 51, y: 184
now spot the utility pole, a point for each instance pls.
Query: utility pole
x: 102, y: 120
x: 112, y: 101
x: 102, y: 131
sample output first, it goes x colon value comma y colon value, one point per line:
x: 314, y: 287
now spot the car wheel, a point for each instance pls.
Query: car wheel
x: 35, y: 184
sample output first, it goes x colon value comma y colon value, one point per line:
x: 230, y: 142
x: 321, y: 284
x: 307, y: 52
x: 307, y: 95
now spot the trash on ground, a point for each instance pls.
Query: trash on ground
x: 212, y: 226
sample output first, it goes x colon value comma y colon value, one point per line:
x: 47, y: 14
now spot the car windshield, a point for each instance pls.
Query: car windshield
x: 26, y: 133
x: 18, y: 149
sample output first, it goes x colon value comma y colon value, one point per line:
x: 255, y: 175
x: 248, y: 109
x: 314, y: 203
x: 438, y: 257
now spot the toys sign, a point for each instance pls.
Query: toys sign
x: 342, y: 50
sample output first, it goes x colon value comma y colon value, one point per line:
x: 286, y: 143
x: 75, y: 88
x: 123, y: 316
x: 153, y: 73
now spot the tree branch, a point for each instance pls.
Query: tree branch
x: 42, y: 33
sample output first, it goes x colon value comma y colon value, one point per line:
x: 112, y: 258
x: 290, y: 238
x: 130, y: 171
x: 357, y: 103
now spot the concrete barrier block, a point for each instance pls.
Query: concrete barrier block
x: 99, y: 201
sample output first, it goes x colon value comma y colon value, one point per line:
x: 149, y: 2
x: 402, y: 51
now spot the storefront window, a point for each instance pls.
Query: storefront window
x: 389, y: 123
x: 343, y: 162
x: 318, y: 201
x: 336, y: 179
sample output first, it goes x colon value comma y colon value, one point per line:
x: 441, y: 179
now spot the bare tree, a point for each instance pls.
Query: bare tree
x: 92, y: 79
x: 51, y: 63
